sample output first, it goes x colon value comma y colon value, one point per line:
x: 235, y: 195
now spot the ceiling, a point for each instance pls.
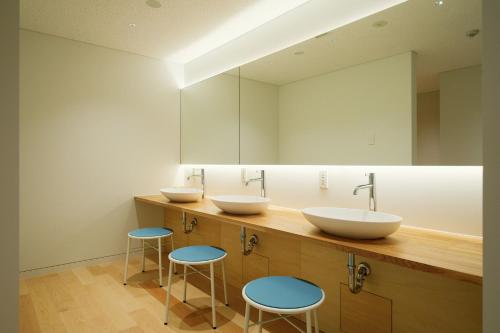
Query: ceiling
x: 435, y: 33
x: 179, y: 30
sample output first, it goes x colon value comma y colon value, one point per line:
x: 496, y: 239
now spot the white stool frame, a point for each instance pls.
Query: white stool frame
x: 282, y: 314
x: 190, y: 264
x: 144, y: 239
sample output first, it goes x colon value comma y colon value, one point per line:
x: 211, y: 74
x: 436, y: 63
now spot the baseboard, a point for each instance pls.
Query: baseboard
x: 85, y: 262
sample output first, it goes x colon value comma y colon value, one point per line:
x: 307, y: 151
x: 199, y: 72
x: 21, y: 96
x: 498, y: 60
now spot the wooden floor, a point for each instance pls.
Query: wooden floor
x: 94, y: 299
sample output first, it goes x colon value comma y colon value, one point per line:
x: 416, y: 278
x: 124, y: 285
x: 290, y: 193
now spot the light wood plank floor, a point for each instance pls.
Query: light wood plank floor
x: 94, y: 299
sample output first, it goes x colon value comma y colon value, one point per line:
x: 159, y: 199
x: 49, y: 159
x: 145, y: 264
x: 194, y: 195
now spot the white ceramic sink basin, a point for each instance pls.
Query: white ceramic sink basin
x: 182, y: 194
x: 241, y: 204
x: 353, y: 223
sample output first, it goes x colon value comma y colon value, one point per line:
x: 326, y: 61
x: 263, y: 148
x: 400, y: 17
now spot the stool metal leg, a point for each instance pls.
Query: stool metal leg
x: 316, y: 322
x: 143, y: 255
x: 224, y: 282
x: 159, y: 262
x: 212, y: 288
x: 247, y: 318
x: 126, y: 262
x: 259, y: 326
x: 185, y: 283
x: 173, y: 248
x: 308, y: 322
x: 169, y: 288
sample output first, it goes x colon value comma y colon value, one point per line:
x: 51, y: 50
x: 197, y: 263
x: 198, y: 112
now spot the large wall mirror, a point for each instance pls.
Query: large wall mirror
x: 401, y: 87
x: 210, y: 120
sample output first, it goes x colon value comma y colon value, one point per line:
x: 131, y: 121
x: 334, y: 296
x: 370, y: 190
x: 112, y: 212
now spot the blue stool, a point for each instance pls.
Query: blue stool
x: 146, y: 234
x: 285, y: 296
x: 192, y: 256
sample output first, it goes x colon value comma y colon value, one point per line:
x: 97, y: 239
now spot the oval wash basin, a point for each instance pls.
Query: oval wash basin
x: 353, y: 223
x: 241, y: 204
x: 182, y: 194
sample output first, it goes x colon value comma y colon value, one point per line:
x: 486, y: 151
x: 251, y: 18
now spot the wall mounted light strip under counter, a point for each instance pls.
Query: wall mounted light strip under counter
x: 452, y: 255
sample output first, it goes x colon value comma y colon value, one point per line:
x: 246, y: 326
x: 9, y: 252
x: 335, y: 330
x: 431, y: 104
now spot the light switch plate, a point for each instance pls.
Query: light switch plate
x: 323, y: 179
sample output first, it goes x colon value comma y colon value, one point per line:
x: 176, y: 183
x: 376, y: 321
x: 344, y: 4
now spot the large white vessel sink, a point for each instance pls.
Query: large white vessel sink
x: 241, y: 204
x: 182, y: 194
x: 353, y: 223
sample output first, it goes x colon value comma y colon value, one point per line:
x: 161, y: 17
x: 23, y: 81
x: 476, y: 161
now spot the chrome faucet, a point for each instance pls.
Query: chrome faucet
x: 372, y: 199
x: 202, y: 178
x: 262, y: 180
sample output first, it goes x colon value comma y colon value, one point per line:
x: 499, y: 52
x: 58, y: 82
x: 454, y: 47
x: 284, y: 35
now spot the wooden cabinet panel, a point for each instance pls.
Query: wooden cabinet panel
x: 173, y: 220
x: 254, y: 267
x: 283, y: 253
x: 326, y: 268
x: 230, y: 241
x: 364, y: 312
x: 206, y: 232
x: 424, y: 302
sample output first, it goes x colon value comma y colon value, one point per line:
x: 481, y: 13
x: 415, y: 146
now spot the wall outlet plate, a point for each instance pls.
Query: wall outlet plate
x: 323, y: 179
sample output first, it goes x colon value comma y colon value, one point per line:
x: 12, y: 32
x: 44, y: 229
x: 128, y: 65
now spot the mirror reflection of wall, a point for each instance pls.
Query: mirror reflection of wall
x: 356, y: 115
x: 210, y: 120
x: 449, y: 120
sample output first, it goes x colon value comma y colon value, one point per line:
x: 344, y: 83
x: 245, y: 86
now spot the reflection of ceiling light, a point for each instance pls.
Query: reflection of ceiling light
x: 132, y: 25
x: 380, y: 24
x: 298, y: 53
x: 439, y: 2
x: 153, y: 3
x: 472, y: 33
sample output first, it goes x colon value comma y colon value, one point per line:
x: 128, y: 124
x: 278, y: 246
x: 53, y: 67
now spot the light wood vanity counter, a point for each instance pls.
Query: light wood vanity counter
x: 454, y: 256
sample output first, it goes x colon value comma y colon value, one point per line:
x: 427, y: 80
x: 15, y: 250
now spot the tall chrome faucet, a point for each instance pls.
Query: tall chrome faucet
x: 202, y: 178
x: 372, y: 199
x: 262, y: 180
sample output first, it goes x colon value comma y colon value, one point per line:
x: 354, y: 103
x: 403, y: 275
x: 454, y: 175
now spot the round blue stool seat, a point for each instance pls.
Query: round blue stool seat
x: 283, y: 292
x: 197, y: 253
x: 150, y: 232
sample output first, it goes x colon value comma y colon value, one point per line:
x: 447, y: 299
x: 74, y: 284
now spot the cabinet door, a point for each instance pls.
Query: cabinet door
x: 364, y: 312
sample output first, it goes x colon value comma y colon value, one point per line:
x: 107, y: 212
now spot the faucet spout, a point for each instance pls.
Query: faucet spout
x: 372, y: 198
x: 262, y: 180
x: 202, y: 178
x: 361, y: 187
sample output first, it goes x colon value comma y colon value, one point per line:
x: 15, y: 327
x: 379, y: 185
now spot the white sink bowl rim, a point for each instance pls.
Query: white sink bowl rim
x: 353, y: 223
x: 241, y: 204
x: 182, y: 194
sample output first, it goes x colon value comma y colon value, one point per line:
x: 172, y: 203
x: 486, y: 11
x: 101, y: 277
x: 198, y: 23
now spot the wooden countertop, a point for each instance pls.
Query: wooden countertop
x: 455, y: 256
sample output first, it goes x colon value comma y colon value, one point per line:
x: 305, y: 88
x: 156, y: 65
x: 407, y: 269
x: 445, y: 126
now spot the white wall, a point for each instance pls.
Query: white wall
x: 358, y: 115
x: 210, y: 121
x: 491, y: 123
x: 460, y: 109
x: 98, y: 126
x: 9, y: 165
x: 259, y: 104
x: 442, y: 198
x: 428, y: 128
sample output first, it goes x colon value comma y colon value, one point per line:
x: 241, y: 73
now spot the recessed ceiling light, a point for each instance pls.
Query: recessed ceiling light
x: 297, y: 53
x: 153, y: 3
x: 439, y: 2
x: 472, y: 33
x: 132, y: 25
x: 380, y: 24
